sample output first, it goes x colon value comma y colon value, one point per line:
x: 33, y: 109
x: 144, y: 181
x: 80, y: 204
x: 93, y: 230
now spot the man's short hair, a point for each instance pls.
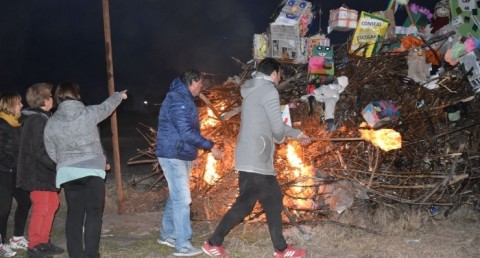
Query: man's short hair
x: 189, y: 76
x: 268, y: 65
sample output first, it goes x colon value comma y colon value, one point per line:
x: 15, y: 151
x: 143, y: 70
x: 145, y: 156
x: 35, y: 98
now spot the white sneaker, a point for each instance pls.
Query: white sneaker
x: 19, y: 243
x: 6, y: 251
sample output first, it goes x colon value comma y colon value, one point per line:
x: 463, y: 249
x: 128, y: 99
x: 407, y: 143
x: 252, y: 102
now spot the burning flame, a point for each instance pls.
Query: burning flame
x: 300, y: 171
x: 211, y: 120
x: 210, y: 175
x: 385, y: 139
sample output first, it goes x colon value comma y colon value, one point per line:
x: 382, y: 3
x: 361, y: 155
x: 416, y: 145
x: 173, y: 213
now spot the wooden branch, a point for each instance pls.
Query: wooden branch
x: 293, y: 220
x: 145, y: 161
x: 210, y: 105
x: 454, y: 180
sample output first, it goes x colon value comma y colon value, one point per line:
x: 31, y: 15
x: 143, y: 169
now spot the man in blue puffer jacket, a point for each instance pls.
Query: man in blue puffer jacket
x: 178, y: 141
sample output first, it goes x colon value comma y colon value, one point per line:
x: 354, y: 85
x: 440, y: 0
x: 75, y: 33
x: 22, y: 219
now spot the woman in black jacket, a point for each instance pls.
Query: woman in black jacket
x: 10, y: 130
x: 36, y: 171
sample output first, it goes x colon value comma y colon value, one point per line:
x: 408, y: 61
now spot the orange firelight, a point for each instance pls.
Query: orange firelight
x: 210, y: 175
x: 303, y: 175
x: 210, y: 121
x: 385, y: 139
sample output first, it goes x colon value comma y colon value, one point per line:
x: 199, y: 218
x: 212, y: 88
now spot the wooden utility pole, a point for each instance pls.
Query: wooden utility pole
x: 113, y: 119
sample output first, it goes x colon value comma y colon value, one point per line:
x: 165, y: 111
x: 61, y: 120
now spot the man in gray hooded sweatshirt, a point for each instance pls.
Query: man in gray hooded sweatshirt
x: 260, y: 129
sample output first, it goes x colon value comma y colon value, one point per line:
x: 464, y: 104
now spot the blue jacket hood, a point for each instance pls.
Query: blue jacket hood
x: 178, y: 133
x: 178, y: 86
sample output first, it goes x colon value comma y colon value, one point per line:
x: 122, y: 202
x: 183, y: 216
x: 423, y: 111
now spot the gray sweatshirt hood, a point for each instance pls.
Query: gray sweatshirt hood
x: 258, y: 80
x: 69, y: 110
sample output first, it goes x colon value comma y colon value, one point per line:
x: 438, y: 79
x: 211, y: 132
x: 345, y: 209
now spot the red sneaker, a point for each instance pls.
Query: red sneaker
x: 213, y: 251
x: 291, y: 252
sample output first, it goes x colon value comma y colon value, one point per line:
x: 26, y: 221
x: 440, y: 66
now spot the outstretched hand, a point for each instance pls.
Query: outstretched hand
x: 304, y: 139
x: 124, y: 94
x: 217, y: 153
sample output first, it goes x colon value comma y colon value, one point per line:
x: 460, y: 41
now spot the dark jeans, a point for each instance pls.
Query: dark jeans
x: 8, y: 191
x: 85, y: 200
x: 254, y: 187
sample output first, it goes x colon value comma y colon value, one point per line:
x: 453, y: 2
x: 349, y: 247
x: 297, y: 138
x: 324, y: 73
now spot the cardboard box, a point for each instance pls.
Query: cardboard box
x: 287, y: 41
x: 342, y: 19
x: 465, y: 17
x: 260, y: 46
x: 317, y: 40
x: 293, y: 11
x: 286, y: 45
x: 378, y: 111
x: 470, y: 61
x: 369, y: 35
x: 322, y: 61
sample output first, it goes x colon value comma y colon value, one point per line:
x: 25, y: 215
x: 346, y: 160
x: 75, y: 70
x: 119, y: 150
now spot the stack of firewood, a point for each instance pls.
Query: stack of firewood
x: 438, y: 164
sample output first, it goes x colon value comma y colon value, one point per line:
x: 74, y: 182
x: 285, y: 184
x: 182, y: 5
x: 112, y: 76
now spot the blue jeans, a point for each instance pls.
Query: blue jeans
x: 176, y: 215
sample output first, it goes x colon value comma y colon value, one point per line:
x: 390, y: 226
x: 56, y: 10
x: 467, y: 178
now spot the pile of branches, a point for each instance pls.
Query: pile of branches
x: 438, y: 164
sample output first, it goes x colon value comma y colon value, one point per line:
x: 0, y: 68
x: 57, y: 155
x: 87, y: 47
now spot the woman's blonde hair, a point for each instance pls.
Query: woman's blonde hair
x: 38, y: 93
x: 8, y: 101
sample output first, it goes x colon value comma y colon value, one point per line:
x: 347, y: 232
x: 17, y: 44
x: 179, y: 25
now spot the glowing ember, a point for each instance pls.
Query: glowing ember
x: 385, y: 139
x: 211, y: 120
x: 210, y: 175
x: 303, y: 175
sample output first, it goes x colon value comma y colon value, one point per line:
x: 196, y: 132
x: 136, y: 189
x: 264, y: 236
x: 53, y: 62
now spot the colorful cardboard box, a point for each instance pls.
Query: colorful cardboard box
x: 342, y: 19
x: 317, y: 40
x: 369, y: 35
x: 465, y: 17
x: 322, y: 61
x: 287, y: 41
x: 377, y: 111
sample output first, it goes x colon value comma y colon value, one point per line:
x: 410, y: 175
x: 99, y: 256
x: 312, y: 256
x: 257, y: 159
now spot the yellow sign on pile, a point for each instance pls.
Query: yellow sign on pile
x: 369, y: 35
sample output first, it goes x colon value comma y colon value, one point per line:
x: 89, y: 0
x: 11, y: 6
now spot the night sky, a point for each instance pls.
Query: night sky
x: 153, y: 40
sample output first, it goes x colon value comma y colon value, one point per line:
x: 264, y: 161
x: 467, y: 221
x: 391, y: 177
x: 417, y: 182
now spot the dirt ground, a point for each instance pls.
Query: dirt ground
x: 135, y: 234
x: 358, y: 232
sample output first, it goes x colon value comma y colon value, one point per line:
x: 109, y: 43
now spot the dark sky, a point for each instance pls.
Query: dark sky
x: 153, y: 40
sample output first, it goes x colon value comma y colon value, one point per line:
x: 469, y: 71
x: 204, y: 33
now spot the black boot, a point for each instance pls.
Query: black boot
x: 37, y: 253
x: 331, y: 127
x: 50, y: 249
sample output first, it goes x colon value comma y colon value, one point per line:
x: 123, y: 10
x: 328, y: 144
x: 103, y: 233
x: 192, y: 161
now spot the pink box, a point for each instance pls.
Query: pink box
x: 343, y: 19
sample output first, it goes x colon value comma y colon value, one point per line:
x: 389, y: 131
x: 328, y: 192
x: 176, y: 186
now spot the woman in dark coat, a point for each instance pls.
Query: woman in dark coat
x: 36, y: 171
x: 10, y: 130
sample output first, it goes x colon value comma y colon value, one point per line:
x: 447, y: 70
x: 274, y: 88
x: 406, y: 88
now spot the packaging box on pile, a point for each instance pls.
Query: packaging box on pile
x: 470, y: 61
x: 390, y: 16
x: 380, y: 111
x: 317, y: 40
x: 342, y: 19
x: 369, y: 35
x: 260, y: 46
x: 321, y: 61
x: 287, y: 41
x: 465, y: 17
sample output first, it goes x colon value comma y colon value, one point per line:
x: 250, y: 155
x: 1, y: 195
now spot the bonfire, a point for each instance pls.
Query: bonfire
x: 421, y: 159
